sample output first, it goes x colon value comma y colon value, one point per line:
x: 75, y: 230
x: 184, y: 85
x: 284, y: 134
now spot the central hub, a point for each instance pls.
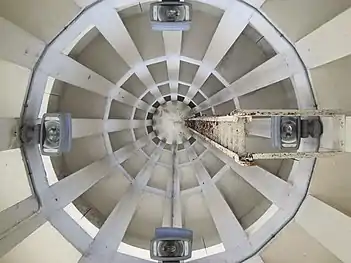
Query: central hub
x: 169, y: 122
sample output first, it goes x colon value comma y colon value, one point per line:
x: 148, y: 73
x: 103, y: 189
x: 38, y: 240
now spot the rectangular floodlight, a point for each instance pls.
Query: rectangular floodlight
x: 170, y: 16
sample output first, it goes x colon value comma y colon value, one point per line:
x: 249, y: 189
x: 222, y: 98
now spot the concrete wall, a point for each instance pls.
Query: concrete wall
x: 42, y: 18
x: 13, y: 80
x: 14, y: 185
x: 46, y: 244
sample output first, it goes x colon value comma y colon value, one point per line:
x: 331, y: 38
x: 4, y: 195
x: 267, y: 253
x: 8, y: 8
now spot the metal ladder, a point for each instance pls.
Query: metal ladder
x: 228, y: 133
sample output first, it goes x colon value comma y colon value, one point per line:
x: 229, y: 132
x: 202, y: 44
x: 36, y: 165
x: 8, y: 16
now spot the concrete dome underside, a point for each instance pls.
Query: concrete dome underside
x: 94, y: 51
x: 115, y: 100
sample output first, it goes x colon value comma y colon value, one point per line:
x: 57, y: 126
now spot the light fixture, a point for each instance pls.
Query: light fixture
x: 171, y: 244
x: 53, y: 133
x: 287, y: 131
x: 170, y: 16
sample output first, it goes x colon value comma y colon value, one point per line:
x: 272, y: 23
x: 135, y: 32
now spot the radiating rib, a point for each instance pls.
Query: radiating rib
x: 173, y: 44
x: 270, y: 72
x: 220, y: 173
x: 74, y: 185
x: 19, y: 233
x: 69, y: 229
x: 172, y: 216
x: 335, y: 37
x: 124, y: 153
x: 273, y: 188
x: 68, y: 70
x: 19, y: 46
x: 113, y: 230
x: 86, y: 127
x: 228, y: 226
x: 17, y: 213
x: 119, y: 125
x: 235, y: 18
x: 167, y: 204
x: 115, y: 32
x: 300, y: 80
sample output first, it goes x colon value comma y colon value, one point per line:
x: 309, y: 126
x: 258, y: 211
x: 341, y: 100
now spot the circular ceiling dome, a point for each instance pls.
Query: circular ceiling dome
x: 169, y: 122
x: 129, y: 90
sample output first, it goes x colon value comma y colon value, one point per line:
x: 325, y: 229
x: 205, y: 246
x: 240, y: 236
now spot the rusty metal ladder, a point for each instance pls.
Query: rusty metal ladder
x: 228, y: 133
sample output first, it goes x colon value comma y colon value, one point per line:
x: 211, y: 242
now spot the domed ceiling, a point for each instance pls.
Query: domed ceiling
x: 139, y: 87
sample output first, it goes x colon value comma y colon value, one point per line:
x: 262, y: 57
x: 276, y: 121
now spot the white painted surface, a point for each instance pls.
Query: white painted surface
x: 270, y: 72
x: 173, y: 44
x: 13, y: 80
x: 328, y: 226
x: 298, y: 18
x: 255, y: 259
x: 86, y: 127
x: 124, y: 154
x: 330, y: 42
x: 70, y: 230
x: 20, y: 233
x: 167, y: 210
x: 272, y: 187
x: 115, y: 32
x: 112, y: 232
x: 17, y: 213
x: 68, y: 70
x: 89, y: 127
x: 221, y: 213
x: 293, y: 244
x: 84, y: 3
x: 119, y: 125
x: 81, y: 220
x: 260, y: 127
x: 45, y: 25
x: 14, y: 186
x: 18, y: 46
x: 8, y: 131
x: 73, y: 186
x: 236, y: 17
x: 43, y: 239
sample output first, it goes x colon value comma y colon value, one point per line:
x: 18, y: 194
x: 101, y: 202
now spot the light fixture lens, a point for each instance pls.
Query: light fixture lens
x: 286, y: 132
x: 170, y: 16
x: 55, y: 135
x: 52, y: 129
x: 170, y: 13
x: 171, y: 244
x: 170, y: 248
x: 289, y: 132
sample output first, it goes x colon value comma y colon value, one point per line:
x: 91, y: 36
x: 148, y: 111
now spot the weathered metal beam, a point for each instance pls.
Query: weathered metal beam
x: 113, y: 29
x: 110, y: 236
x: 173, y: 43
x: 221, y: 213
